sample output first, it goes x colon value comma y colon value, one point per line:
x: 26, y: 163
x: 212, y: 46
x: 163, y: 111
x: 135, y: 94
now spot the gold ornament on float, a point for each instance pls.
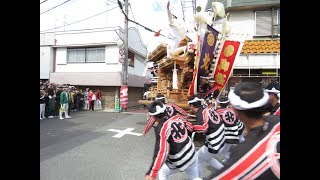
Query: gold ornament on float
x: 224, y: 65
x: 228, y: 51
x: 210, y: 39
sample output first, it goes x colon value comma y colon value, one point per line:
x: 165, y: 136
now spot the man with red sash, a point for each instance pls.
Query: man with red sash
x: 233, y: 126
x: 258, y: 157
x: 277, y: 113
x: 172, y: 109
x: 174, y: 150
x: 209, y: 123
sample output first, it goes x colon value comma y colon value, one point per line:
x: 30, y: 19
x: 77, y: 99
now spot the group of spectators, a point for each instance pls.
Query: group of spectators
x: 51, y: 99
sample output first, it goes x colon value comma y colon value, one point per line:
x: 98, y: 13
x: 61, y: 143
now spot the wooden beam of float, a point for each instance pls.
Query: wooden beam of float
x: 184, y: 106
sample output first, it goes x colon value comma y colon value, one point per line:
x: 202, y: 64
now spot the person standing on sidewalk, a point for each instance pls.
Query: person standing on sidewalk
x: 64, y: 103
x: 42, y: 104
x: 82, y: 102
x: 52, y: 104
x: 86, y: 99
x: 77, y: 101
x: 99, y: 97
x: 51, y: 97
x: 57, y: 106
x: 69, y: 99
x: 92, y: 98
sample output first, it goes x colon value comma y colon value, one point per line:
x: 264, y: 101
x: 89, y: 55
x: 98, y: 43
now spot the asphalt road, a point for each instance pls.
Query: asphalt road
x: 82, y: 148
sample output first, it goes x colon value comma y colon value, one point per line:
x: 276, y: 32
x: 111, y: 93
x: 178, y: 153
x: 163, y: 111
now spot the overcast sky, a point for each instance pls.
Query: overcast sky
x: 150, y: 13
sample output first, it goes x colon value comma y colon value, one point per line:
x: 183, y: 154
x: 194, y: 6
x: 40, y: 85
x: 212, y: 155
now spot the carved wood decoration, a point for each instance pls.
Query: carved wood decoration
x: 184, y: 64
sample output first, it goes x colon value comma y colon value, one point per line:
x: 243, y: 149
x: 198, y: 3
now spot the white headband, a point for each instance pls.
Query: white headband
x: 273, y: 90
x: 158, y: 98
x: 221, y: 102
x: 239, y: 104
x: 158, y: 110
x: 196, y: 99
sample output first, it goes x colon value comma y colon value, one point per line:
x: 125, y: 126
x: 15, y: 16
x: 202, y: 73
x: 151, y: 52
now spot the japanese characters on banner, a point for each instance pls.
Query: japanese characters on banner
x: 121, y: 54
x: 207, y: 51
x: 124, y: 97
x: 201, y: 67
x: 225, y: 63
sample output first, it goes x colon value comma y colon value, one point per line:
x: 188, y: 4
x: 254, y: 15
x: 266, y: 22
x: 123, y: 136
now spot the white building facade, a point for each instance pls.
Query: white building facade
x: 46, y: 55
x: 91, y: 59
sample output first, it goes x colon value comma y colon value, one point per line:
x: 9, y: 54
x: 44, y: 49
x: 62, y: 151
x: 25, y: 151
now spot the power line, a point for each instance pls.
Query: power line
x: 121, y: 8
x: 83, y: 32
x: 148, y: 29
x: 43, y: 1
x: 109, y: 2
x: 97, y: 30
x: 133, y: 16
x: 80, y: 20
x: 77, y: 30
x: 135, y: 20
x: 112, y: 1
x: 55, y: 6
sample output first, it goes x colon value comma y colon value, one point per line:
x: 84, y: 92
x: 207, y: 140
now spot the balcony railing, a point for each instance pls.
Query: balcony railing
x: 256, y: 75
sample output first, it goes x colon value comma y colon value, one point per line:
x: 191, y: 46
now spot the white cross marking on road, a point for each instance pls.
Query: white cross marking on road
x: 124, y: 132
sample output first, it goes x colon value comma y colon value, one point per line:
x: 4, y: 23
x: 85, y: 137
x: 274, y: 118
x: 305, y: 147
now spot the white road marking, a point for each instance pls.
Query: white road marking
x: 124, y: 132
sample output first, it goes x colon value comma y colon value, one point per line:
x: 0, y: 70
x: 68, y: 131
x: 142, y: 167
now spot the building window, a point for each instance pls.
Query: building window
x: 276, y: 27
x: 267, y: 23
x: 86, y: 55
x: 131, y: 59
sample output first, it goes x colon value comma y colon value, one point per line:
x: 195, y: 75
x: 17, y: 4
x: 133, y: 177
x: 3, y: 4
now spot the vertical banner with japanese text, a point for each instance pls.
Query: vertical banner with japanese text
x: 204, y: 58
x: 225, y: 63
x: 124, y: 97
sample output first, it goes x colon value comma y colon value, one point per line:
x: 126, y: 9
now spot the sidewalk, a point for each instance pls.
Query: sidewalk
x: 136, y: 109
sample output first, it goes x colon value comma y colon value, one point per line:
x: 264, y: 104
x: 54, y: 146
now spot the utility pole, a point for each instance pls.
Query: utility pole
x: 124, y: 87
x: 125, y: 44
